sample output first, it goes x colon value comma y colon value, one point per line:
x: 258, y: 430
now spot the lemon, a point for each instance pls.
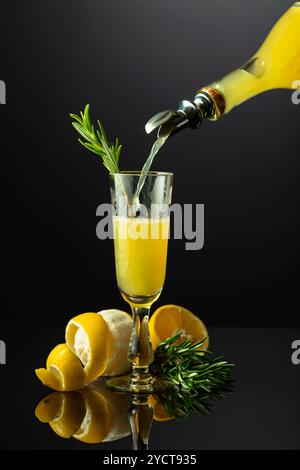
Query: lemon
x: 170, y: 320
x: 96, y: 344
x: 100, y: 340
x: 64, y: 371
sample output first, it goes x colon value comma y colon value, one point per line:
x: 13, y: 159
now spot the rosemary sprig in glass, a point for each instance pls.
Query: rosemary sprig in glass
x: 96, y: 141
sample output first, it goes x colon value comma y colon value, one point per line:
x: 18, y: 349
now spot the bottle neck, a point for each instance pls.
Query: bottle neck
x: 220, y: 97
x: 239, y: 86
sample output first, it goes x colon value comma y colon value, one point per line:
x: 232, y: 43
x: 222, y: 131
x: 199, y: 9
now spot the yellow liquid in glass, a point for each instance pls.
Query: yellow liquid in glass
x: 275, y: 65
x: 140, y: 255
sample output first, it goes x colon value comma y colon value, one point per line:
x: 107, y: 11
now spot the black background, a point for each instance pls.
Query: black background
x: 131, y: 59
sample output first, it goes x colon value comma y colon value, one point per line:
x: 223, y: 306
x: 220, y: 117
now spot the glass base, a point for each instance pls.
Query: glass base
x: 128, y: 384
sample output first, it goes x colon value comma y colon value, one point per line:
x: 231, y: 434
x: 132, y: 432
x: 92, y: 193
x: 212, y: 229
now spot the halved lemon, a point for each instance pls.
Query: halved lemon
x: 170, y: 320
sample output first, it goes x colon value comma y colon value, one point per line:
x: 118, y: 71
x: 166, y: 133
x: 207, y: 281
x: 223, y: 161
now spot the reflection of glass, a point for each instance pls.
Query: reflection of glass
x: 140, y: 418
x: 141, y: 229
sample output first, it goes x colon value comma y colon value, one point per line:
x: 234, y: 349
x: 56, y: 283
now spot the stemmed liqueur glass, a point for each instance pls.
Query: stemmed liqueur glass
x: 141, y: 231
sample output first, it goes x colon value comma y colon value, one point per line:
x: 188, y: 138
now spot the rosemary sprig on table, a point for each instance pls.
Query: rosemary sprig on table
x: 96, y: 141
x: 199, y: 378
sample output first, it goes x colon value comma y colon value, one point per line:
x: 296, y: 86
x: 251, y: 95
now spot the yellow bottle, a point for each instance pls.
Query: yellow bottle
x: 140, y: 255
x: 275, y: 65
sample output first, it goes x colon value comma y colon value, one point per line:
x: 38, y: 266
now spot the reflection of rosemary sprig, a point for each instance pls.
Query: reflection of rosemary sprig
x: 96, y: 141
x: 199, y: 379
x: 179, y: 404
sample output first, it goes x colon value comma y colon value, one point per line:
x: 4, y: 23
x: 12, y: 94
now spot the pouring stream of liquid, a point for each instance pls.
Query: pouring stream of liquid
x: 145, y: 170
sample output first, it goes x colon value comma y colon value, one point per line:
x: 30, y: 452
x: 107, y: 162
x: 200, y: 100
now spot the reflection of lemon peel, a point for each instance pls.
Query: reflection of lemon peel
x: 64, y: 371
x: 100, y: 341
x: 71, y: 416
x: 97, y: 420
x: 49, y: 408
x: 91, y: 415
x: 64, y: 411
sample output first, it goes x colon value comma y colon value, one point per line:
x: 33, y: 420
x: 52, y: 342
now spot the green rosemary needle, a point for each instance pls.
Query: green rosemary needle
x: 198, y: 377
x: 96, y: 141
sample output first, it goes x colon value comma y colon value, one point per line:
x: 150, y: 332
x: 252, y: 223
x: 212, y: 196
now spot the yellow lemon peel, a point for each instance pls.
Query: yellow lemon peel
x: 100, y: 340
x: 64, y: 371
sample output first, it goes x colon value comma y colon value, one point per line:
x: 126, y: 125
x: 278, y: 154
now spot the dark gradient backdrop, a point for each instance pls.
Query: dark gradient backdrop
x: 130, y: 59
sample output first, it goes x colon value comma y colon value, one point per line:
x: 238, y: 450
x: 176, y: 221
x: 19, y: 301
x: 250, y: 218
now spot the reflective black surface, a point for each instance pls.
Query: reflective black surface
x: 263, y: 413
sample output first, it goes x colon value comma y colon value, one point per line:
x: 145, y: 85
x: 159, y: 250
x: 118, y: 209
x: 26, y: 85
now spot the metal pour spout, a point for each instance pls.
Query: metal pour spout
x: 189, y: 114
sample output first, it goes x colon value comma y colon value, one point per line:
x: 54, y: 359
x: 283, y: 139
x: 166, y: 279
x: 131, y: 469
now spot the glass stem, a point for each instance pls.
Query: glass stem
x: 140, y: 348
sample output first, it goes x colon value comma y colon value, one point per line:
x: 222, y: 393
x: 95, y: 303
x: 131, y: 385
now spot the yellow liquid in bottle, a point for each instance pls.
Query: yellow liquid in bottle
x: 275, y: 65
x: 140, y: 255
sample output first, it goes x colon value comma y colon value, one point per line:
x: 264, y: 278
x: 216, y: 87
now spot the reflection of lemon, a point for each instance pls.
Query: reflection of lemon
x: 159, y: 413
x: 97, y: 420
x: 169, y: 320
x: 64, y: 371
x: 71, y: 415
x: 106, y: 415
x: 100, y: 341
x: 119, y: 408
x: 49, y: 408
x: 64, y: 411
x: 91, y: 415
